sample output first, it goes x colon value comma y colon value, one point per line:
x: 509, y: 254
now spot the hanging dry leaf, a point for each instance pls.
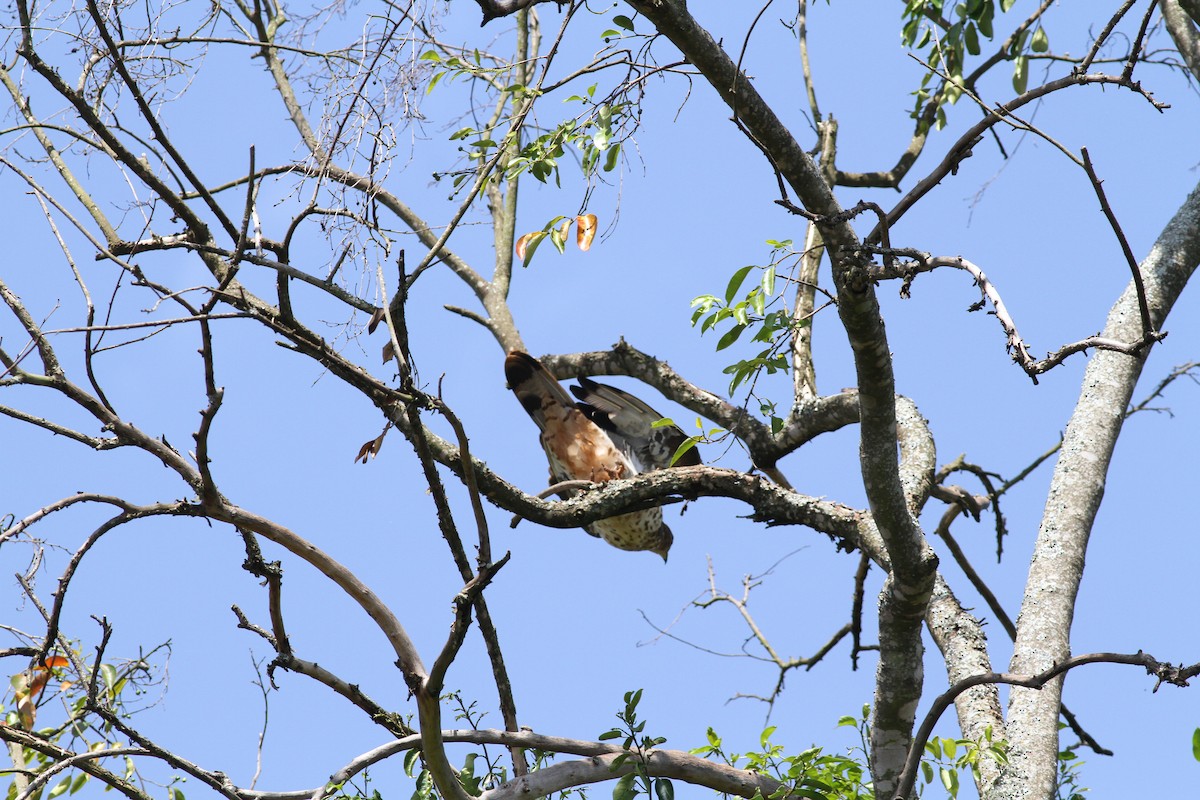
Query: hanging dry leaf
x: 389, y: 352
x: 585, y: 231
x: 376, y: 318
x: 370, y: 449
x: 28, y: 687
x: 528, y: 243
x: 523, y: 243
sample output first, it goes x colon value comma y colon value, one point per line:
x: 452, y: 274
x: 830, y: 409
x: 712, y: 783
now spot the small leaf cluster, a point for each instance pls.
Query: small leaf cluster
x: 593, y: 134
x: 759, y: 311
x: 348, y: 791
x: 50, y: 683
x: 950, y: 44
x: 621, y: 21
x: 414, y: 767
x: 1067, y: 787
x: 947, y: 757
x: 472, y: 781
x: 556, y: 230
x: 451, y: 68
x: 637, y: 748
x: 811, y: 773
x: 601, y: 124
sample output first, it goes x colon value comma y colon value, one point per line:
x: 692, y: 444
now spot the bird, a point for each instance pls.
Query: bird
x: 607, y: 435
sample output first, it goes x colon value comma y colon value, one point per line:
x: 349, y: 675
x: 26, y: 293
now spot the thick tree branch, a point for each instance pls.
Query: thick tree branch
x: 1043, y: 627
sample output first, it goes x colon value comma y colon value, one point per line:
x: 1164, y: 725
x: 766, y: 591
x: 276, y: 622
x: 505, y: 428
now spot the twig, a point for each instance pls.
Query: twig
x: 1086, y: 64
x: 1130, y: 259
x: 1015, y: 345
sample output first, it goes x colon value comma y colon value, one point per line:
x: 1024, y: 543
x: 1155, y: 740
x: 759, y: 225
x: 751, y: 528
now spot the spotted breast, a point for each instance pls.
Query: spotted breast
x: 606, y: 436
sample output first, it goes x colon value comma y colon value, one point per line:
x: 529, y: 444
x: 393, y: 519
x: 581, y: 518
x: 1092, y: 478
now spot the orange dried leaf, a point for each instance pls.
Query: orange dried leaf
x: 39, y: 681
x: 56, y: 661
x: 585, y: 231
x: 523, y: 243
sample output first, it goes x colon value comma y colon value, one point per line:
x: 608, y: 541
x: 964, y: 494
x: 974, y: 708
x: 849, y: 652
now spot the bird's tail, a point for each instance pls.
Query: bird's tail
x: 534, y: 386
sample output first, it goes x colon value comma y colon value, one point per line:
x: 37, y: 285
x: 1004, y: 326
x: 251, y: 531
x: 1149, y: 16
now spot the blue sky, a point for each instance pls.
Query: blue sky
x: 692, y: 204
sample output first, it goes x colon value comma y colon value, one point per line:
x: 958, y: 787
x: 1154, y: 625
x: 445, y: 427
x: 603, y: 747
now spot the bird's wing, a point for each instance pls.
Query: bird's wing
x: 578, y: 449
x: 630, y: 424
x: 583, y: 443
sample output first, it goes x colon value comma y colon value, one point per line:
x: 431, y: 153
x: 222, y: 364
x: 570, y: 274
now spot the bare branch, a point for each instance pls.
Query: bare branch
x: 1165, y: 673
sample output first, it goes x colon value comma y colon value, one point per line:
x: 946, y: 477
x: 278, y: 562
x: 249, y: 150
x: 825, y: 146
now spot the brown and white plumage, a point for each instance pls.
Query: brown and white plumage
x: 606, y: 436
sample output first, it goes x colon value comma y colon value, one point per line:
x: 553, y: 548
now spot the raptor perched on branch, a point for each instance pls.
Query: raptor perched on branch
x: 607, y: 435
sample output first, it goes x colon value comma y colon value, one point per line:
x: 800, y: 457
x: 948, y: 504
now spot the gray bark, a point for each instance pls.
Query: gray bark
x: 1056, y: 569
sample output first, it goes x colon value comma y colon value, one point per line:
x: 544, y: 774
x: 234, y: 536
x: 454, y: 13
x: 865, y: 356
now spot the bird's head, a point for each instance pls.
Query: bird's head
x: 665, y: 540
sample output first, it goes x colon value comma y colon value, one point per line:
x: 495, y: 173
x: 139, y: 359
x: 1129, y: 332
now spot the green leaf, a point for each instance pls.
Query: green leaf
x: 950, y: 781
x: 972, y: 38
x: 758, y: 301
x: 410, y: 761
x: 985, y: 25
x: 625, y: 790
x: 768, y: 280
x: 613, y: 153
x: 730, y: 336
x: 613, y: 734
x: 1195, y: 744
x: 765, y: 738
x: 109, y: 673
x: 927, y: 771
x: 688, y: 444
x: 664, y: 789
x: 715, y: 741
x: 623, y: 21
x: 812, y: 794
x: 532, y: 247
x: 1040, y: 42
x: 735, y: 283
x: 1020, y: 74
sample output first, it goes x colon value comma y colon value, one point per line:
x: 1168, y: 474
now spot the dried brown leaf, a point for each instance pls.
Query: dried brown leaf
x: 585, y: 231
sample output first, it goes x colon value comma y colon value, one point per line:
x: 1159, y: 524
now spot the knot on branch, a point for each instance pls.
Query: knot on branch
x: 1169, y: 673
